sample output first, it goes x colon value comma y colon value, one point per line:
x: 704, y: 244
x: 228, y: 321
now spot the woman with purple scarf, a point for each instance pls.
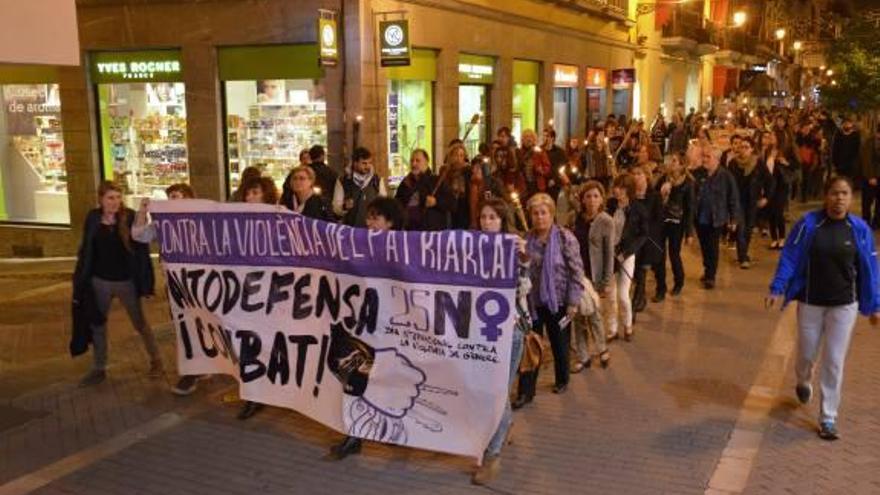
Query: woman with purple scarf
x: 557, y: 273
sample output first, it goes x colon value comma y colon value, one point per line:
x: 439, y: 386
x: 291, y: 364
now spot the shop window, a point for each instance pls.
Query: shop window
x: 473, y: 116
x: 269, y: 122
x: 525, y: 108
x: 409, y: 124
x: 33, y: 177
x: 143, y: 134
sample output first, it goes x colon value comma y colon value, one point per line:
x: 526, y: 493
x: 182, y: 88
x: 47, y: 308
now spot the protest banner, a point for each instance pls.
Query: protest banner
x: 398, y: 337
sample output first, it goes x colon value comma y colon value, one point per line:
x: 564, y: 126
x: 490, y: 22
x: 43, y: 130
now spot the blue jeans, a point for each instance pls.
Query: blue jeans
x: 497, y: 441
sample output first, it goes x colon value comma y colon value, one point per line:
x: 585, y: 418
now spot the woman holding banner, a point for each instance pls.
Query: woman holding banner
x: 110, y: 264
x: 495, y: 218
x: 382, y: 214
x: 556, y: 273
x: 305, y: 199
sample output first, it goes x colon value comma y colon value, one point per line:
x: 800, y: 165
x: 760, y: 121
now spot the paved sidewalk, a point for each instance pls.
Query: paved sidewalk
x: 657, y: 421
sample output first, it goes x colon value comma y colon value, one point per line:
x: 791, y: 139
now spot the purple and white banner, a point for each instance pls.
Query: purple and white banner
x: 398, y: 337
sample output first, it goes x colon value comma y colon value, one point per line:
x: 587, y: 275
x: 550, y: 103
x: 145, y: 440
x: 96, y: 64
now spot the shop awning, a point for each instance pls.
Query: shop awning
x: 39, y: 32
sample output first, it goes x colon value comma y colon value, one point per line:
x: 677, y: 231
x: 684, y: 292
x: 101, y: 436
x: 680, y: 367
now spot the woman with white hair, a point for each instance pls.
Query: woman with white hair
x: 557, y: 273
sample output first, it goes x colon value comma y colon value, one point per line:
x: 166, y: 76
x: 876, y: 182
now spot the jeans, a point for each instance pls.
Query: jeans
x: 589, y: 328
x: 710, y: 237
x: 105, y: 291
x: 835, y: 324
x: 497, y: 441
x: 673, y: 235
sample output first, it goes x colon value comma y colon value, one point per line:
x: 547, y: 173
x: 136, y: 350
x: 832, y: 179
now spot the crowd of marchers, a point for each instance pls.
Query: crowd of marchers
x: 593, y: 216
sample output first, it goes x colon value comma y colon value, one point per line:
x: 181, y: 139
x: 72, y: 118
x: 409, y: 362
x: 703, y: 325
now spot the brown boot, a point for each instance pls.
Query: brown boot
x: 488, y: 471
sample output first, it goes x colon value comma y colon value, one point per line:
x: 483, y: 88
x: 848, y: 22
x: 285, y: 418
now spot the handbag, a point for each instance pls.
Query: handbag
x: 533, y: 351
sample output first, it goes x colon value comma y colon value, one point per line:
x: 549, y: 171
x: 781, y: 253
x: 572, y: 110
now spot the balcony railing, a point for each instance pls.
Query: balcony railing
x: 683, y: 23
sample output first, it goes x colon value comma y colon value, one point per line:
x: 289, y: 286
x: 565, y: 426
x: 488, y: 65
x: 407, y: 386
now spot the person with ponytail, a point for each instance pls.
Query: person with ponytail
x: 111, y: 264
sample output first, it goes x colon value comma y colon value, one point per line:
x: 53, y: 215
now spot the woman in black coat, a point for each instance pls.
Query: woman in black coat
x: 110, y: 264
x: 427, y: 206
x: 652, y: 253
x: 776, y: 169
x: 304, y: 199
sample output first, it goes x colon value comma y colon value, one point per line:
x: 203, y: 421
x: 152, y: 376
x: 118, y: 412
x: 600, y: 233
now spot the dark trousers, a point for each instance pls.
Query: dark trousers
x: 709, y: 237
x: 673, y: 234
x: 776, y: 221
x: 640, y: 279
x: 744, y: 238
x: 560, y: 342
x: 870, y: 203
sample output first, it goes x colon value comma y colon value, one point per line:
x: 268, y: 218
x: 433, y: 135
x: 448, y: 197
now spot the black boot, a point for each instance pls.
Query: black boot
x: 349, y: 446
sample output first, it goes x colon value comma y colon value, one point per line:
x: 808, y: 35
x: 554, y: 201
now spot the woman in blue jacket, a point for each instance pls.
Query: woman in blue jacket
x: 829, y: 265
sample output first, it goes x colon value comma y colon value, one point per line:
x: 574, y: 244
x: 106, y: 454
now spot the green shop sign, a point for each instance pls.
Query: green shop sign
x: 147, y: 66
x: 394, y: 41
x: 328, y: 38
x: 476, y: 69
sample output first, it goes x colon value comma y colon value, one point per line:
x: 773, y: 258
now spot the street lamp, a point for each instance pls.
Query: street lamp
x: 739, y: 18
x: 829, y: 72
x: 797, y: 45
x: 780, y: 33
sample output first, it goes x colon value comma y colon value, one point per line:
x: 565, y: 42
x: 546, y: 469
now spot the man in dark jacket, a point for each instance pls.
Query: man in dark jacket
x: 845, y: 149
x: 355, y: 190
x: 717, y: 207
x: 325, y: 177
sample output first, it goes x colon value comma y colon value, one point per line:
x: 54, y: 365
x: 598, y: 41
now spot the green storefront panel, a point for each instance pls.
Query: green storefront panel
x: 28, y: 74
x: 251, y: 63
x: 526, y: 72
x: 422, y: 67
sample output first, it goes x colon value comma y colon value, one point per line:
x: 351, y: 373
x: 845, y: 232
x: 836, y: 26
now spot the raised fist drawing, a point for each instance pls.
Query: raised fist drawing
x: 394, y: 383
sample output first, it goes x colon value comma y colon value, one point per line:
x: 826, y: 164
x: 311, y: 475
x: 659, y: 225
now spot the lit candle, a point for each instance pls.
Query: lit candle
x: 574, y: 170
x: 485, y: 159
x: 515, y: 197
x: 316, y: 190
x: 536, y: 149
x: 561, y: 170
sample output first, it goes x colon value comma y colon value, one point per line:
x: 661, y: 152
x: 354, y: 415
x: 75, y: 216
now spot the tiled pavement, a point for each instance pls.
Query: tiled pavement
x: 655, y: 422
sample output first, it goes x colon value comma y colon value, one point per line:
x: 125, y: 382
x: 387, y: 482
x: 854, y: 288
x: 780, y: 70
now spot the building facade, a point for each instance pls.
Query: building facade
x: 195, y: 91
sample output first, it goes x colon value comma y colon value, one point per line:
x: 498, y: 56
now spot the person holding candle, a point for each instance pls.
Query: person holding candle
x: 427, y: 202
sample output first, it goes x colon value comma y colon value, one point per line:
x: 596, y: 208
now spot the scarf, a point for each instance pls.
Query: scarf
x: 361, y: 180
x: 552, y: 257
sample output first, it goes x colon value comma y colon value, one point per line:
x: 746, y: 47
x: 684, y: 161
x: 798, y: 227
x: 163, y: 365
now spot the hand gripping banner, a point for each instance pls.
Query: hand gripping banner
x: 397, y: 337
